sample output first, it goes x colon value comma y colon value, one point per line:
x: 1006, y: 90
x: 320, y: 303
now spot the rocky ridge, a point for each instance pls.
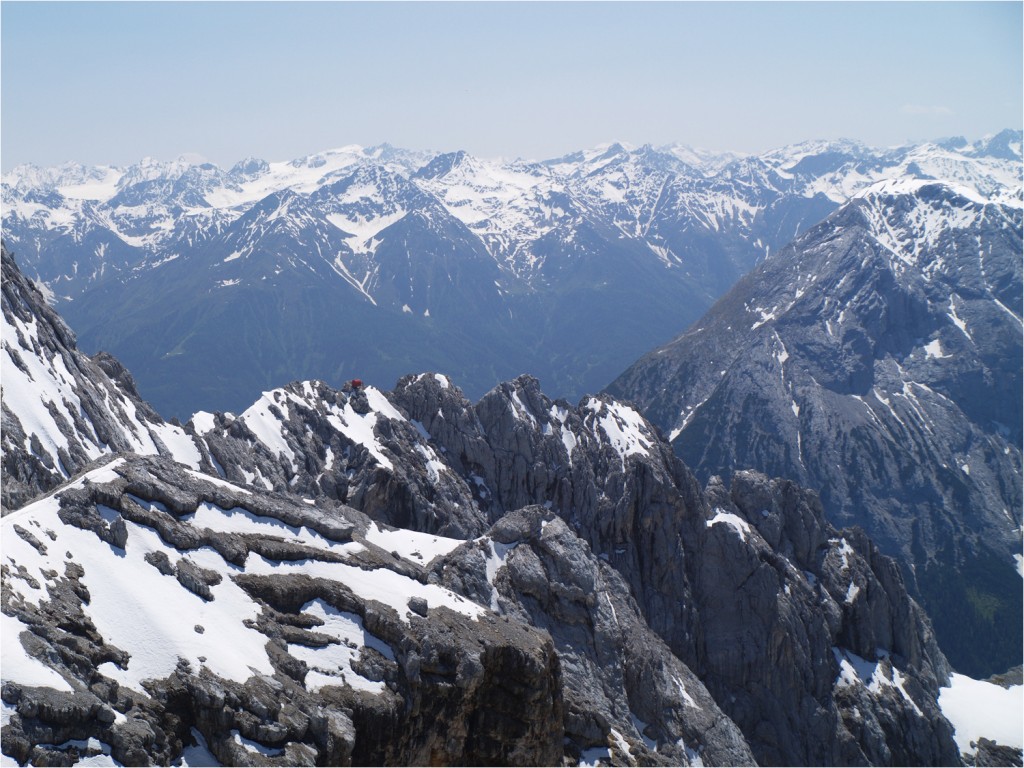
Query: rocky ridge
x: 606, y: 472
x: 561, y: 589
x: 311, y: 644
x: 61, y: 409
x: 878, y: 361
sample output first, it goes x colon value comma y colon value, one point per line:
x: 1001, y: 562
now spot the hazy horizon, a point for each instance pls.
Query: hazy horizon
x: 111, y: 83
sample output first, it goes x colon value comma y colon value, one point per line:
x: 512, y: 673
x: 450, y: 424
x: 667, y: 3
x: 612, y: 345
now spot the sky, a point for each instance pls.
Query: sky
x: 110, y: 83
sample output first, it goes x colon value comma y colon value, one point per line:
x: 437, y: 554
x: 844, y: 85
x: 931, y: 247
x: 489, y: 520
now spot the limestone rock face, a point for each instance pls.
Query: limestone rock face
x: 350, y: 445
x: 600, y: 466
x: 749, y: 587
x: 849, y: 658
x: 991, y: 754
x: 304, y: 656
x: 349, y: 576
x: 60, y: 408
x: 877, y: 360
x: 627, y: 698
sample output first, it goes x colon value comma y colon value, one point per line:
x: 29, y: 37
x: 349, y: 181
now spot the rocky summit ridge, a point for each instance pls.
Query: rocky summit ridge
x: 877, y: 360
x: 329, y: 575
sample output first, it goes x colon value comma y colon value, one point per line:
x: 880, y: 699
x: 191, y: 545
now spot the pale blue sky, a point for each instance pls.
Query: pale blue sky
x: 113, y: 82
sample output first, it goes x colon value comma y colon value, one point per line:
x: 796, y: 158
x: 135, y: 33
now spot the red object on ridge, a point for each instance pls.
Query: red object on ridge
x: 357, y: 383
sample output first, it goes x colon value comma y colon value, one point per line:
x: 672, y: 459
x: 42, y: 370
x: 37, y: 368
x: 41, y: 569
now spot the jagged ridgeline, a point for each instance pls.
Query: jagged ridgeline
x: 363, y: 577
x: 878, y: 360
x: 214, y: 285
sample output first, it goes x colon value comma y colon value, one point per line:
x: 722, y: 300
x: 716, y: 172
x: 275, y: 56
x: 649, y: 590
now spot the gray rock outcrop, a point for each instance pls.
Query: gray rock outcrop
x: 627, y: 698
x: 878, y: 361
x: 60, y: 408
x: 326, y: 577
x: 376, y: 698
x: 771, y: 620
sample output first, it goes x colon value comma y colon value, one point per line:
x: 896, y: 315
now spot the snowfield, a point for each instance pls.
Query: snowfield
x: 977, y: 709
x: 148, y: 613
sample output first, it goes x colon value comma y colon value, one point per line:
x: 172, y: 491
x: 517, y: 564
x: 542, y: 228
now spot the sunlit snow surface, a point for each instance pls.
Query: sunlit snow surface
x: 137, y: 608
x: 198, y: 754
x: 263, y: 420
x: 622, y: 426
x: 41, y: 390
x: 27, y: 670
x: 411, y: 545
x: 981, y: 709
x: 157, y: 621
x: 31, y: 388
x: 736, y: 522
x: 873, y: 675
x: 332, y: 664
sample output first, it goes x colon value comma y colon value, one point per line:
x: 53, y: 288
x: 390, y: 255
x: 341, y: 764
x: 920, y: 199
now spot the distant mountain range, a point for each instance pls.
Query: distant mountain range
x: 549, y: 581
x: 214, y: 285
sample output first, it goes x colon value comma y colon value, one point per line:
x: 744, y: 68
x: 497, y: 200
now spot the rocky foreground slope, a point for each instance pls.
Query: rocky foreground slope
x: 560, y: 589
x: 181, y: 609
x: 61, y: 409
x: 697, y: 564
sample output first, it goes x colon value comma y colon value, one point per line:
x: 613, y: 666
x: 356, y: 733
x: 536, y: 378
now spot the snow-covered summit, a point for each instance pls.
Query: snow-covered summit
x: 877, y: 358
x: 502, y: 201
x: 508, y: 249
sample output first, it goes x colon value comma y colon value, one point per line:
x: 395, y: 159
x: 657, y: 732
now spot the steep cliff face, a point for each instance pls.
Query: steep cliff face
x: 627, y: 698
x: 818, y: 593
x: 877, y: 361
x: 560, y: 588
x: 62, y: 409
